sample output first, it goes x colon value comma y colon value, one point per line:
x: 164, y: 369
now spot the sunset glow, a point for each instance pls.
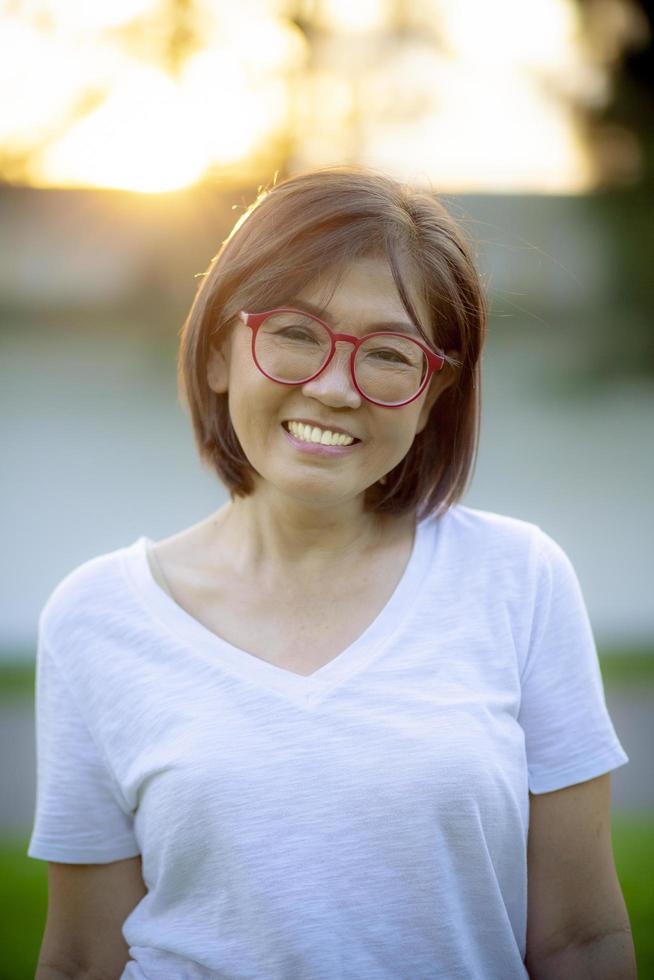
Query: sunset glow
x: 473, y: 97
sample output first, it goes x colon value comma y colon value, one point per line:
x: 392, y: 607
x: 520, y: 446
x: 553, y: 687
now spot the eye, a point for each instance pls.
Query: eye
x: 289, y: 331
x: 389, y: 355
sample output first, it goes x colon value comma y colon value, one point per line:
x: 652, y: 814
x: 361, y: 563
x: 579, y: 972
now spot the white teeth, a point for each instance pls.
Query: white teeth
x: 308, y: 433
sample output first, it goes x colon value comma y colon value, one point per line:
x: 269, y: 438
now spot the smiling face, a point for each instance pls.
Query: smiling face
x: 365, y: 296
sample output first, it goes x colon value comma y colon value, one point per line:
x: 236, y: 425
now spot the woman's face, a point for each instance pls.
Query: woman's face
x: 259, y: 407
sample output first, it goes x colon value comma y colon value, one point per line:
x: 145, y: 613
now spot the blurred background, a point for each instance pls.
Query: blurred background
x: 133, y: 135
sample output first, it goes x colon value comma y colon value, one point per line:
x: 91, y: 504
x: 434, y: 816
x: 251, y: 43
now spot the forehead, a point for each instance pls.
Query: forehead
x: 365, y: 287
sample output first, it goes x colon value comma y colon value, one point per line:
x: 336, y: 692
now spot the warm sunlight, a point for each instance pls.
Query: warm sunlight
x: 152, y: 96
x: 137, y: 116
x: 344, y: 15
x: 96, y: 115
x: 482, y: 111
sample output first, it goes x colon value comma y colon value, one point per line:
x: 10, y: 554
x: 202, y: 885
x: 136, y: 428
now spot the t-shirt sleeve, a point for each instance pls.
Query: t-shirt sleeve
x: 569, y: 734
x: 80, y: 816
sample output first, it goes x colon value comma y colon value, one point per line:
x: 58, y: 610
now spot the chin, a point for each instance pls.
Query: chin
x: 313, y: 488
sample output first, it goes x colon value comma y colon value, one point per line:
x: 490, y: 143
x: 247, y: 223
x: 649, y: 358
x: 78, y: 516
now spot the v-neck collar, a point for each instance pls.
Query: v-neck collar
x: 236, y: 661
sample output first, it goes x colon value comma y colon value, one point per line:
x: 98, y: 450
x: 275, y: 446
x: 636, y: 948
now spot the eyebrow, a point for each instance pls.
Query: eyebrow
x: 403, y: 326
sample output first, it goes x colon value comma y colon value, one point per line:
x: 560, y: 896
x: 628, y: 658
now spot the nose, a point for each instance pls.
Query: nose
x: 334, y: 386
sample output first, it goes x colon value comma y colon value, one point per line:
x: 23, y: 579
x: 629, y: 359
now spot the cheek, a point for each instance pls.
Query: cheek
x: 247, y: 386
x: 396, y: 440
x: 408, y: 423
x: 253, y: 400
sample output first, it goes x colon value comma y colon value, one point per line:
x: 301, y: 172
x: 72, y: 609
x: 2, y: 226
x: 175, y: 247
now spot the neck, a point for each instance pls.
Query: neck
x: 267, y: 537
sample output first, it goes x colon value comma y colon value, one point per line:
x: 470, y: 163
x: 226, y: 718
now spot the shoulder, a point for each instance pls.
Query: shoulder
x: 489, y: 533
x: 508, y: 550
x: 92, y: 590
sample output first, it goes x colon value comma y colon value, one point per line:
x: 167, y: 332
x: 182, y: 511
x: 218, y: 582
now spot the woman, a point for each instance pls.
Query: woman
x: 344, y: 727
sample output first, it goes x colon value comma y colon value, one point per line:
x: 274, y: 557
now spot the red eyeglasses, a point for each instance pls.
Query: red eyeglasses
x: 293, y: 347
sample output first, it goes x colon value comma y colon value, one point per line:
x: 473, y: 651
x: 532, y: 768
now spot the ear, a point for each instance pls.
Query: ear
x: 440, y: 382
x: 218, y: 366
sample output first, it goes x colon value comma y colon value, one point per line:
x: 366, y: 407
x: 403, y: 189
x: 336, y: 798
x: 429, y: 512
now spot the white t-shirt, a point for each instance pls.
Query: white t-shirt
x: 366, y: 822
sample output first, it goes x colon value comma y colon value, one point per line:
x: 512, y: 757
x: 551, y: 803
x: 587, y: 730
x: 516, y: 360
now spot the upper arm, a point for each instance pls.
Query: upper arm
x: 573, y: 888
x: 87, y: 906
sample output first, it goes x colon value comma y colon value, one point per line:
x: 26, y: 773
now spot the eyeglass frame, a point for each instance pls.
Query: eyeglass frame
x: 435, y: 361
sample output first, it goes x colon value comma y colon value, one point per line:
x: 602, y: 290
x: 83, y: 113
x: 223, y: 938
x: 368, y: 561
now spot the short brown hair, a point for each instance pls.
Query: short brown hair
x: 284, y: 237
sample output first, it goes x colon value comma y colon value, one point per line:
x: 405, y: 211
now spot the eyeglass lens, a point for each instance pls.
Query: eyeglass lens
x: 293, y: 347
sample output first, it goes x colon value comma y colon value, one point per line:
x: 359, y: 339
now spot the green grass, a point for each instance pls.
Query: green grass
x: 16, y: 679
x: 633, y: 847
x: 628, y: 667
x: 23, y: 896
x: 23, y: 899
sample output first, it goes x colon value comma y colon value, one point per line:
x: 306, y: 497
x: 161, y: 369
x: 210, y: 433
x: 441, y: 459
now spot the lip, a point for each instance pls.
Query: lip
x: 322, y: 425
x: 316, y: 448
